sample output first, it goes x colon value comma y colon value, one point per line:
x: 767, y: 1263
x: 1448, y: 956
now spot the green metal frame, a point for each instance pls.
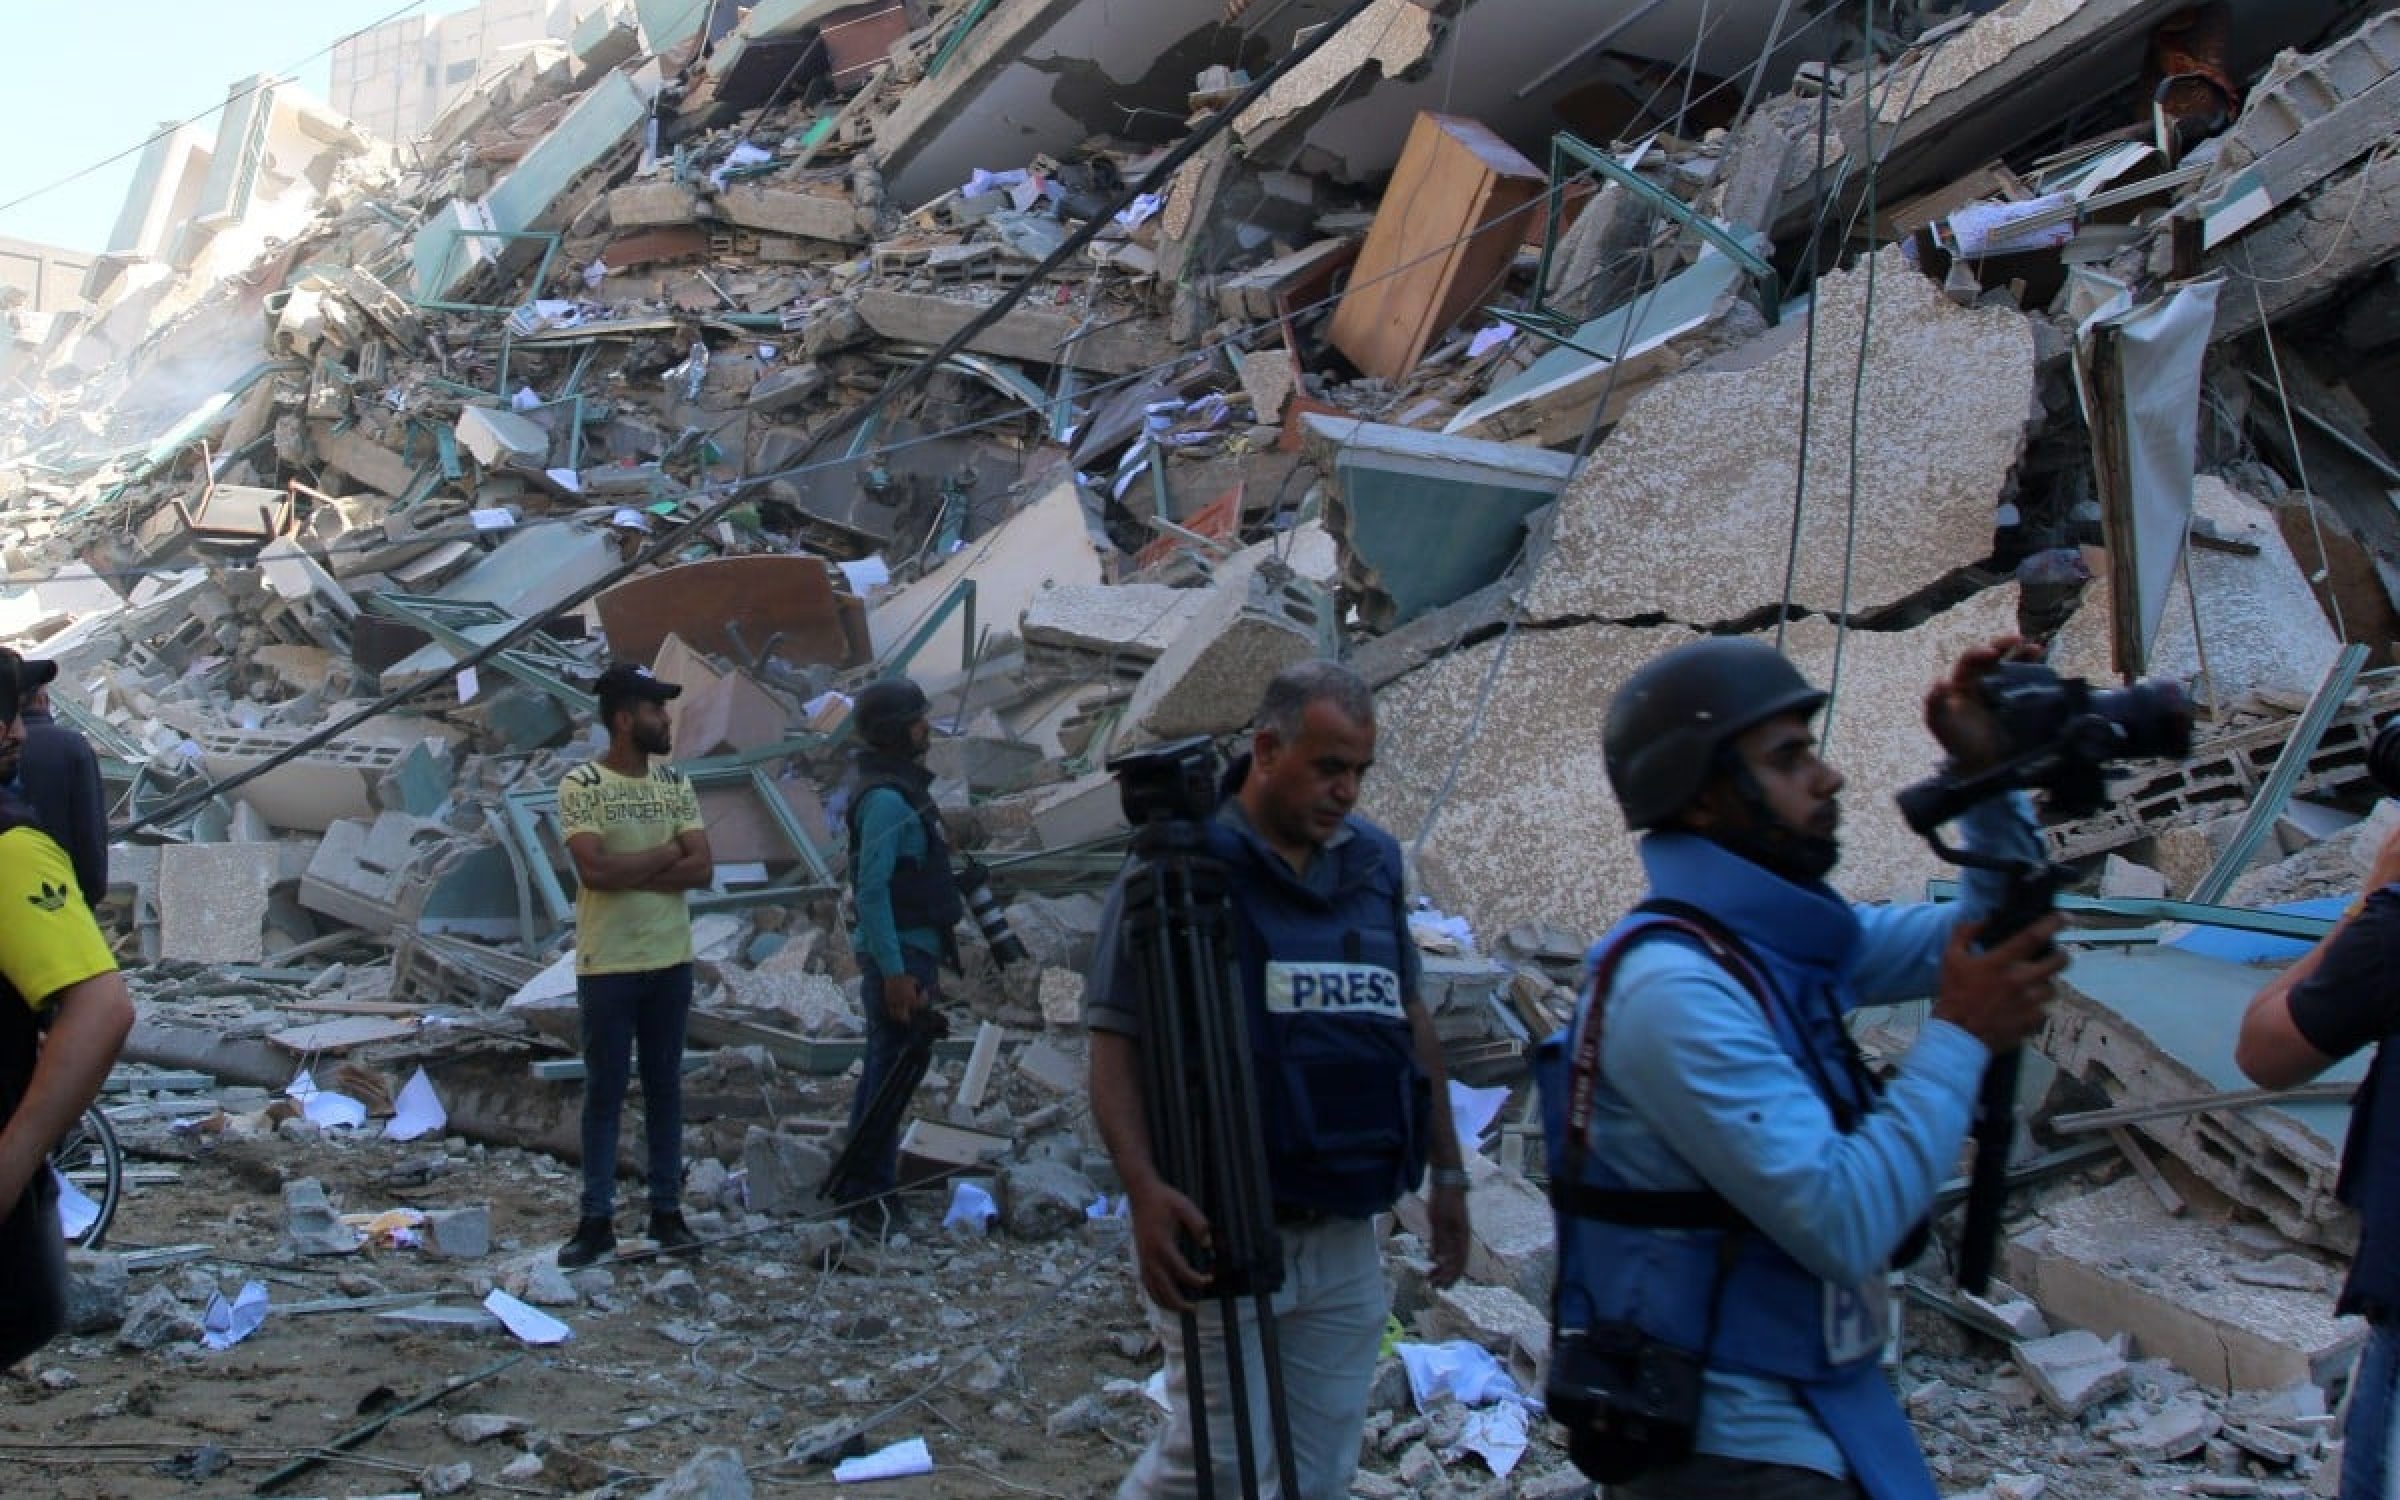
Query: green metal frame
x: 2160, y: 909
x: 1567, y: 149
x: 541, y: 663
x: 541, y: 273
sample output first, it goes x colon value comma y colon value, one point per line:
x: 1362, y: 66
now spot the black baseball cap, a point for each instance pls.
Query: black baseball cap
x: 627, y: 682
x: 18, y: 678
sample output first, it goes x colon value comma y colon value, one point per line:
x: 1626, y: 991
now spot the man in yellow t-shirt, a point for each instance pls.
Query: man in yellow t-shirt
x: 64, y: 1012
x: 634, y: 832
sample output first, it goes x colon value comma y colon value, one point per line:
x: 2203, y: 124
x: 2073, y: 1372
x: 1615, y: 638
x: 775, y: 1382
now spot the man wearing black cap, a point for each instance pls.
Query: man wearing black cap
x: 634, y: 832
x: 57, y: 777
x: 64, y: 1012
x: 906, y: 895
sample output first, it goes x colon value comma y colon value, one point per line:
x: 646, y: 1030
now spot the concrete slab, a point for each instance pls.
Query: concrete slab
x: 1531, y: 777
x: 212, y: 901
x: 2260, y: 622
x: 1133, y: 621
x: 1210, y: 680
x: 1029, y: 333
x: 1045, y: 545
x: 2159, y: 1023
x: 1669, y: 515
x: 503, y: 439
x: 2113, y: 1261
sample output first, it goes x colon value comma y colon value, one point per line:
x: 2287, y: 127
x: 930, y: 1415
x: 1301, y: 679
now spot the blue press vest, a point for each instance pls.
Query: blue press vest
x: 1770, y: 1313
x: 1344, y: 1107
x: 2370, y: 1183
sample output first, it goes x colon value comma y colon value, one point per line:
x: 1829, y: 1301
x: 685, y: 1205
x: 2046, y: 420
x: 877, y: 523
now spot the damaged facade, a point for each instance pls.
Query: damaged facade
x: 713, y: 338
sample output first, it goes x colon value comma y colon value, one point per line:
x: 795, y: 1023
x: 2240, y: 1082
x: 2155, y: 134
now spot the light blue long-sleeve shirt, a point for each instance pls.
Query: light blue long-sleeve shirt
x: 889, y: 831
x: 1689, y: 1059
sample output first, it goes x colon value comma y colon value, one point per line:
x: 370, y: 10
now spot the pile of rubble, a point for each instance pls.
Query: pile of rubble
x: 1090, y: 371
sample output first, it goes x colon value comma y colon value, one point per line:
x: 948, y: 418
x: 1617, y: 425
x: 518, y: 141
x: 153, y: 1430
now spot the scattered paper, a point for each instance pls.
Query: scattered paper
x: 1155, y: 1388
x: 492, y: 518
x: 526, y: 1321
x: 1440, y: 932
x: 1496, y: 1435
x: 1465, y: 1371
x: 565, y: 479
x: 980, y: 182
x: 323, y: 1108
x: 226, y: 1324
x: 1982, y: 229
x: 1141, y: 209
x: 526, y: 398
x: 77, y: 1212
x: 971, y: 1208
x: 1488, y: 339
x: 418, y: 1111
x: 595, y: 273
x: 743, y: 154
x: 895, y: 1462
x: 1472, y: 1111
x: 866, y: 575
x: 468, y: 684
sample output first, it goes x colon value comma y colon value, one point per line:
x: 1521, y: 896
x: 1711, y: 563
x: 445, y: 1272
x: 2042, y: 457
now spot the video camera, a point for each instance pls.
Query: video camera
x: 1172, y: 783
x: 2063, y: 736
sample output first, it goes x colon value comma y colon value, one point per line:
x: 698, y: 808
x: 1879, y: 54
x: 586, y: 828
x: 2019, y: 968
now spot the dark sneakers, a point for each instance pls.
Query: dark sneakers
x: 594, y: 1238
x: 674, y: 1236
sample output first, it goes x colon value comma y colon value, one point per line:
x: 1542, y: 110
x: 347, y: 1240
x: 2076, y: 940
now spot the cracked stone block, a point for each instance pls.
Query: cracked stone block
x: 212, y: 901
x: 2175, y: 1430
x: 310, y: 1224
x: 157, y: 1319
x: 711, y: 1474
x: 96, y: 1291
x: 2260, y: 620
x: 459, y: 1233
x: 1531, y: 774
x: 2073, y: 1370
x: 1210, y: 680
x: 1682, y: 512
x: 1041, y: 1200
x: 781, y: 1172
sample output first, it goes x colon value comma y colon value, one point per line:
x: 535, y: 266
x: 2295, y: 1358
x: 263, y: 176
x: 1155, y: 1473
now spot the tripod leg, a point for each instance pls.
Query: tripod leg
x: 1237, y: 1391
x: 1195, y: 1400
x: 881, y: 1120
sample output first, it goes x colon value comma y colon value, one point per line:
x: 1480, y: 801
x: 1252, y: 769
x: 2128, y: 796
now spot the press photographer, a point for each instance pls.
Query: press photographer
x: 1731, y: 1183
x: 2338, y: 999
x: 1253, y: 1226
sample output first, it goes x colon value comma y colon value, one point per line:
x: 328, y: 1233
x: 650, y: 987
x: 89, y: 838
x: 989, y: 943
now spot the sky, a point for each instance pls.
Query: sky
x: 97, y: 78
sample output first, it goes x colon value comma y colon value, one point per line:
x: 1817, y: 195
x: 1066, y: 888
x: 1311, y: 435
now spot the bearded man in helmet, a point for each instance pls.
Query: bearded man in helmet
x: 1732, y: 1184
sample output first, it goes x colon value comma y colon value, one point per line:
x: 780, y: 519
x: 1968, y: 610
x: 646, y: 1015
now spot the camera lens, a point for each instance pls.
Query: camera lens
x: 975, y: 887
x: 2383, y: 757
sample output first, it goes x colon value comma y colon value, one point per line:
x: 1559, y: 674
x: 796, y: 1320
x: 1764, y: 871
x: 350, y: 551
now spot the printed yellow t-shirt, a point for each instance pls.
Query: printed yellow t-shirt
x: 628, y: 932
x: 48, y: 939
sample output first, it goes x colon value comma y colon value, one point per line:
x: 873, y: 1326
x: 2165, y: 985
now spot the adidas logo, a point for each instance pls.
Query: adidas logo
x: 50, y: 897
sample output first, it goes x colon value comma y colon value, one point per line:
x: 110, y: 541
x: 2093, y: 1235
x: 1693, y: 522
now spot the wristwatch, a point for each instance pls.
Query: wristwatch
x: 1449, y: 1177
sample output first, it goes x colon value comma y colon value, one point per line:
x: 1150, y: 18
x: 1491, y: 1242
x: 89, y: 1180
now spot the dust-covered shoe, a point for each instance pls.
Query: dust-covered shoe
x: 593, y: 1239
x: 674, y: 1236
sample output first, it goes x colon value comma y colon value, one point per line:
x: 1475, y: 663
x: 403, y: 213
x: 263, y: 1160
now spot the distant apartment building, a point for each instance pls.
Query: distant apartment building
x: 394, y: 79
x: 48, y: 278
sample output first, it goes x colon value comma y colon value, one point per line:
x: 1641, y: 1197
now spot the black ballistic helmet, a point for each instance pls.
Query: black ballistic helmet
x: 882, y: 711
x: 1666, y: 724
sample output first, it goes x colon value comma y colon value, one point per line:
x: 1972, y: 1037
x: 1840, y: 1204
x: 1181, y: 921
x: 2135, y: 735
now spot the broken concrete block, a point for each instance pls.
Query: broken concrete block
x: 1041, y: 1200
x: 1043, y: 1063
x: 711, y: 1474
x: 1059, y: 992
x: 1210, y: 680
x: 2073, y: 1370
x: 96, y: 1291
x: 1495, y: 1317
x: 310, y: 1224
x: 1661, y: 524
x: 1514, y: 1237
x: 2123, y: 880
x: 156, y: 1319
x: 791, y: 386
x: 2115, y: 1262
x: 459, y: 1233
x: 2175, y: 1430
x: 788, y: 211
x: 652, y: 203
x: 780, y: 1172
x: 212, y: 901
x: 503, y: 439
x: 1083, y: 630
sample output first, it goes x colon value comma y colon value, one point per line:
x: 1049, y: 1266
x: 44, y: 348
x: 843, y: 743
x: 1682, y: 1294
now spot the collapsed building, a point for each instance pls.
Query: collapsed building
x: 1089, y: 370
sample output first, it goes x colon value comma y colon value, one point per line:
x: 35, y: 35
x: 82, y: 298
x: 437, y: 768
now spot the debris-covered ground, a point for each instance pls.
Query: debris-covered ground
x: 1089, y: 364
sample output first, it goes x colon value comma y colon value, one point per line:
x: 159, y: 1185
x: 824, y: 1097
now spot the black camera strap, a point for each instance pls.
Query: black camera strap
x: 1642, y: 1208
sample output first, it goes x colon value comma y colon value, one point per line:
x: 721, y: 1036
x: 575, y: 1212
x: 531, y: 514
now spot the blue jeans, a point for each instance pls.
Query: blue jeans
x: 885, y: 1039
x: 2371, y: 1433
x: 619, y: 1012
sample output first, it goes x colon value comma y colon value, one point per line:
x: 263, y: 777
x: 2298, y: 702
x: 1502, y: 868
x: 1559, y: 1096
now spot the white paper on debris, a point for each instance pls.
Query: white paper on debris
x: 526, y: 1321
x: 76, y: 1210
x: 226, y: 1324
x: 418, y: 1111
x: 898, y: 1461
x: 323, y: 1108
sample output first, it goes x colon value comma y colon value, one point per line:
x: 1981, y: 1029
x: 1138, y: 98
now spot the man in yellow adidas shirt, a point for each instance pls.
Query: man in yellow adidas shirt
x: 64, y: 1013
x: 634, y: 831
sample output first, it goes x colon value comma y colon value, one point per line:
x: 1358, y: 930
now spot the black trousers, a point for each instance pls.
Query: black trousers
x: 33, y: 1272
x: 1705, y: 1476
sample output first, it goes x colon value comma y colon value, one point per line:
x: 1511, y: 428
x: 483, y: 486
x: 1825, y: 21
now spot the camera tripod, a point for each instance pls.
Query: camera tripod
x: 880, y: 1121
x: 1200, y: 1105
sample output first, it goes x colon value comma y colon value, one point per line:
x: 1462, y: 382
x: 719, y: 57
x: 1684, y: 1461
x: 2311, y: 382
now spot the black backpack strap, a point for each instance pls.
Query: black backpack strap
x: 1697, y: 1208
